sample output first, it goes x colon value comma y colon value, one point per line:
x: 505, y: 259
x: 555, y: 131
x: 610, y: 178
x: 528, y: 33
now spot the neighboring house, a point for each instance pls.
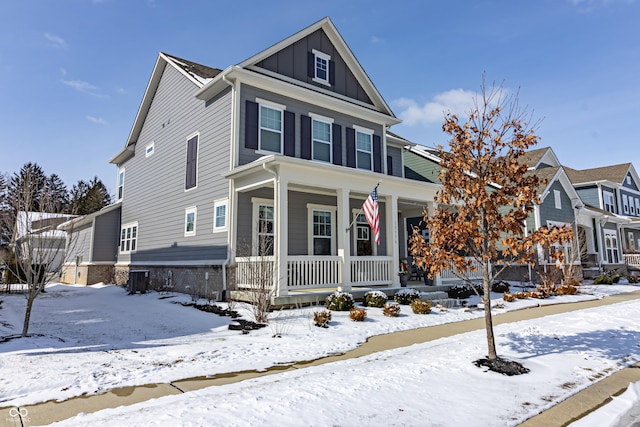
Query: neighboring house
x: 267, y: 160
x: 614, y: 191
x: 38, y: 239
x: 92, y: 247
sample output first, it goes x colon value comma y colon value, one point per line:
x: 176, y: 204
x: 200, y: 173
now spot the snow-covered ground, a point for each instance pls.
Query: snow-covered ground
x: 95, y: 338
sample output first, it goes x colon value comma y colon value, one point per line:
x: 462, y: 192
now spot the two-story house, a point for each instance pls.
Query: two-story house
x: 267, y: 160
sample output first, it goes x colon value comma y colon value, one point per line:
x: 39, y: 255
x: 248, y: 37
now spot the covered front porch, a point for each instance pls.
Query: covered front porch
x: 303, y: 226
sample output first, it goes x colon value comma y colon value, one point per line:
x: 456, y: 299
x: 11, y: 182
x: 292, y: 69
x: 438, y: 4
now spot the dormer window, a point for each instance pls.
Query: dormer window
x: 321, y: 67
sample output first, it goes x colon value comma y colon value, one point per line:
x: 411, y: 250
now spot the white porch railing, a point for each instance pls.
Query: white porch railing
x: 632, y: 259
x: 313, y: 271
x: 252, y: 270
x: 371, y: 270
x: 449, y: 274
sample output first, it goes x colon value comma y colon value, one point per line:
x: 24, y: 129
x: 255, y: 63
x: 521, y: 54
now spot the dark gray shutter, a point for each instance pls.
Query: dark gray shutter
x: 389, y: 165
x: 336, y: 135
x: 311, y: 64
x: 305, y: 137
x: 332, y: 73
x: 377, y: 154
x: 289, y: 134
x: 351, y: 147
x: 251, y: 125
x: 192, y: 162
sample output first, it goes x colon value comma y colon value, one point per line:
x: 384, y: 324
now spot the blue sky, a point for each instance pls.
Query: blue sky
x: 73, y: 72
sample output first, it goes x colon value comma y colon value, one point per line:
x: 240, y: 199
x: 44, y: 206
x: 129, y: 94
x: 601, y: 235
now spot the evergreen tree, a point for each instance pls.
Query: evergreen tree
x: 26, y: 187
x: 89, y: 197
x: 57, y: 190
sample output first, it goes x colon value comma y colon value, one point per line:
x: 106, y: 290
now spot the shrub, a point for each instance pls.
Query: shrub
x: 358, y: 314
x: 339, y: 301
x: 421, y: 307
x: 406, y: 296
x: 322, y: 318
x: 545, y: 290
x: 375, y: 299
x: 521, y: 295
x: 566, y: 289
x: 391, y: 309
x: 507, y: 297
x: 631, y: 278
x: 608, y: 278
x: 500, y: 287
x: 463, y: 291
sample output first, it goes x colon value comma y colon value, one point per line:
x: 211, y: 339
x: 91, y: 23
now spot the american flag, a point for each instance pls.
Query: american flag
x: 370, y: 208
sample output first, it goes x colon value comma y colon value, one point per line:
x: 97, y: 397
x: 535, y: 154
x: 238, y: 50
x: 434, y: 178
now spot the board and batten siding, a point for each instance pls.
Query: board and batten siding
x: 548, y: 210
x: 298, y: 108
x: 633, y: 185
x: 293, y: 62
x: 154, y: 189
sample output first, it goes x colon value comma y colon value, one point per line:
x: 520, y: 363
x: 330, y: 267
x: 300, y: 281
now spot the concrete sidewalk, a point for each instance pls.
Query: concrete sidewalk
x: 569, y: 410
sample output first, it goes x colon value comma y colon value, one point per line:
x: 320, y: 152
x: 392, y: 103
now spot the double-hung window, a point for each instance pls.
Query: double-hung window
x: 321, y: 236
x: 128, y: 238
x: 625, y: 204
x: 190, y: 216
x: 271, y: 127
x: 120, y: 190
x: 321, y: 138
x: 321, y: 67
x: 220, y: 215
x: 364, y: 149
x: 608, y: 201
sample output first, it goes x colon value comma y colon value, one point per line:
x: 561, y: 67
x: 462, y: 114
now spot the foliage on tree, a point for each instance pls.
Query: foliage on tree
x: 89, y: 197
x: 26, y: 186
x: 486, y: 196
x: 57, y: 190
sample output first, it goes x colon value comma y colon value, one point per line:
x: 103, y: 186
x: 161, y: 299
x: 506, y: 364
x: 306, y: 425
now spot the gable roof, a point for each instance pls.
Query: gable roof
x: 326, y: 25
x: 614, y: 173
x: 533, y: 158
x: 196, y: 73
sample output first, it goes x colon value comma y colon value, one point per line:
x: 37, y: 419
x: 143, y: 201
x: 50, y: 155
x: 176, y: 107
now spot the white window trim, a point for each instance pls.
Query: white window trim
x: 187, y: 211
x: 326, y: 120
x: 638, y: 207
x: 632, y: 242
x: 216, y: 205
x: 318, y: 54
x: 625, y: 203
x: 557, y: 199
x: 120, y: 194
x: 367, y: 132
x: 126, y: 226
x: 274, y: 106
x: 606, y: 193
x: 149, y: 149
x: 321, y: 208
x: 628, y: 180
x: 612, y: 234
x: 257, y: 202
x: 186, y: 151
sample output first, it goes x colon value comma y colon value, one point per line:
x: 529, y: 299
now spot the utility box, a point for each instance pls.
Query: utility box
x: 138, y: 281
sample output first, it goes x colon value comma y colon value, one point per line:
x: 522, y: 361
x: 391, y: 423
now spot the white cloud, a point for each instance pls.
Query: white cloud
x: 121, y: 91
x: 84, y: 87
x: 456, y: 101
x: 97, y: 120
x: 55, y: 41
x: 586, y: 6
x: 376, y: 40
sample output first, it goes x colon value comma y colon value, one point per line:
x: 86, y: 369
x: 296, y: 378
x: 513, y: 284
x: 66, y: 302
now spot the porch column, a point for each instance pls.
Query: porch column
x: 281, y: 250
x: 391, y: 223
x: 343, y: 221
x: 600, y: 243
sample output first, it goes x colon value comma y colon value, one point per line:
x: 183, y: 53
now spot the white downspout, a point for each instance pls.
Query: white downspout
x: 230, y: 195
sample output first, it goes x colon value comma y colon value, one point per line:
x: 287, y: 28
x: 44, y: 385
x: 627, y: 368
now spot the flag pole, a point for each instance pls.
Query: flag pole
x: 360, y: 211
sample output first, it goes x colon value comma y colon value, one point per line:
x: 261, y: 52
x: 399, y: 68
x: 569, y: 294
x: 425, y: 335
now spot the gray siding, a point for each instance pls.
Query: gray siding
x: 589, y: 195
x: 396, y: 160
x: 420, y: 169
x: 628, y: 246
x: 299, y: 108
x: 154, y: 189
x: 80, y: 244
x: 292, y: 62
x: 548, y: 211
x: 106, y: 237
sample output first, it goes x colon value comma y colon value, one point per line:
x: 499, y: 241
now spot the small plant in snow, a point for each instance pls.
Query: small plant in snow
x: 339, y: 301
x: 280, y: 324
x: 507, y: 297
x: 375, y: 299
x: 421, y: 307
x: 406, y: 296
x: 322, y: 318
x: 500, y: 286
x: 391, y: 309
x: 358, y: 314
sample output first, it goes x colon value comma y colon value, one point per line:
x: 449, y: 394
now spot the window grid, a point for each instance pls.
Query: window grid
x: 364, y: 150
x: 321, y: 135
x: 190, y: 217
x: 128, y: 238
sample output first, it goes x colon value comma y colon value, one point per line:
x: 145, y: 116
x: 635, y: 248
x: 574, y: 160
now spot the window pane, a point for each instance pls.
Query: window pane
x: 363, y: 141
x: 321, y: 246
x: 321, y: 131
x: 364, y: 160
x: 321, y: 68
x: 269, y: 140
x: 270, y: 118
x: 321, y: 151
x: 221, y: 215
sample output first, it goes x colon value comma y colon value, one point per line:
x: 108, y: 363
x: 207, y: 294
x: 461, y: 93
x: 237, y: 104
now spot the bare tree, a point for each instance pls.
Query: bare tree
x: 485, y: 198
x: 37, y: 244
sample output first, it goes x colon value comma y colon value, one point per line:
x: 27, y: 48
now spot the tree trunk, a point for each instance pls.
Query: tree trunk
x: 27, y: 313
x: 488, y: 320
